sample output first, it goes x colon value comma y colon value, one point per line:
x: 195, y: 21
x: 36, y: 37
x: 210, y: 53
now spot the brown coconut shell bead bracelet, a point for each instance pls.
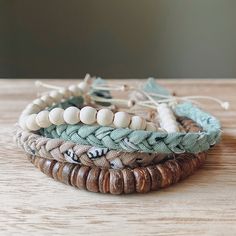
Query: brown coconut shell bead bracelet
x: 140, y: 180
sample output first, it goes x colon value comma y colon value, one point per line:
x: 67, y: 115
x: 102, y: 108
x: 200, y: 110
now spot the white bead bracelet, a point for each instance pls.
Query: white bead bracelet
x: 87, y: 115
x: 35, y: 117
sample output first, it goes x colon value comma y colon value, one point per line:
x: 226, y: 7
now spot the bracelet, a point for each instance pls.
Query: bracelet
x: 35, y: 117
x: 65, y: 151
x: 145, y: 141
x: 110, y: 149
x: 125, y: 181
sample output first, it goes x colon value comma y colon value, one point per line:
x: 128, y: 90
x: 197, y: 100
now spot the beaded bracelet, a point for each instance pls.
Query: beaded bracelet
x: 35, y: 117
x: 65, y: 151
x: 125, y: 181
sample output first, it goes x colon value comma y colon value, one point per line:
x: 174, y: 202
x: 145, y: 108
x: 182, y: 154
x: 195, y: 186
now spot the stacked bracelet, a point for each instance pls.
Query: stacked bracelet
x: 70, y: 138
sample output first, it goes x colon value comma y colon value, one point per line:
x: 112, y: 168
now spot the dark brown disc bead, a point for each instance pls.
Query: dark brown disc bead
x: 92, y: 179
x: 129, y: 181
x: 198, y: 161
x: 73, y: 176
x: 48, y: 166
x: 59, y: 171
x: 155, y: 177
x: 194, y: 163
x: 179, y: 161
x: 55, y: 170
x: 184, y: 168
x: 187, y: 168
x: 175, y: 169
x: 166, y: 175
x: 116, y: 182
x: 189, y: 165
x: 104, y: 181
x: 41, y: 163
x: 64, y: 172
x: 82, y: 177
x: 142, y: 180
x: 201, y: 157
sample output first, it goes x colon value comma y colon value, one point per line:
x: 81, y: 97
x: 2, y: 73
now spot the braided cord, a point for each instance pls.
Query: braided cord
x: 66, y: 151
x: 144, y: 141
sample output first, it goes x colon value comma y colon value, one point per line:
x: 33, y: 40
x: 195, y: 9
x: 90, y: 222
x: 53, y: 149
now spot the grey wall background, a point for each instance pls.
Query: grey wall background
x: 123, y: 38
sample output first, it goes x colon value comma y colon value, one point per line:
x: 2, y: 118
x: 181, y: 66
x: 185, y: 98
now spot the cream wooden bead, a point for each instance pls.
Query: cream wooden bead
x: 84, y: 86
x: 47, y: 99
x: 137, y: 123
x: 66, y: 93
x: 121, y: 119
x: 56, y: 116
x: 31, y: 109
x: 71, y: 115
x: 42, y: 119
x: 56, y: 96
x: 31, y: 122
x: 22, y: 122
x: 166, y: 114
x: 105, y: 117
x: 171, y: 128
x: 151, y: 127
x: 39, y: 102
x: 167, y: 118
x: 88, y: 115
x: 75, y: 90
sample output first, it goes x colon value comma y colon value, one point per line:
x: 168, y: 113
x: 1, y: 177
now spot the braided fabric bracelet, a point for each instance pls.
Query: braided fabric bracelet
x: 144, y: 141
x: 125, y: 181
x: 66, y: 151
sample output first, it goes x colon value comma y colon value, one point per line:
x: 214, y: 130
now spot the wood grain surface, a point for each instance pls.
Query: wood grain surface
x: 203, y: 204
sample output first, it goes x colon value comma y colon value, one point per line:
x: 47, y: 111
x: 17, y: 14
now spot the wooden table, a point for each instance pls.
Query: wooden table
x: 203, y: 204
